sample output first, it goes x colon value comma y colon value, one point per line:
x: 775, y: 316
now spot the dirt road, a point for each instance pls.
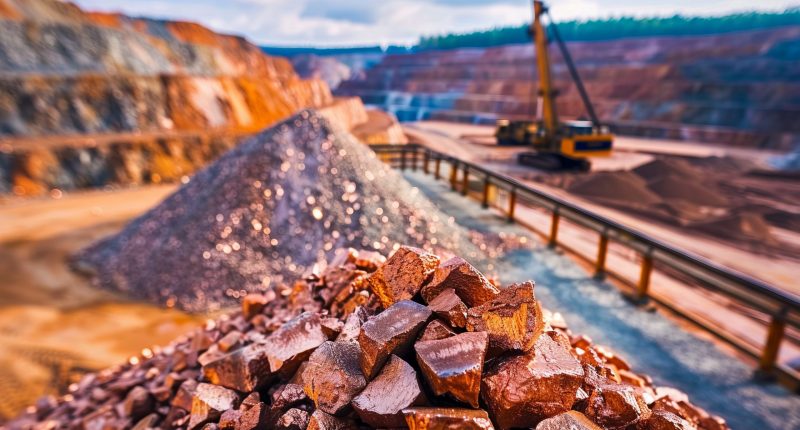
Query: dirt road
x: 470, y: 142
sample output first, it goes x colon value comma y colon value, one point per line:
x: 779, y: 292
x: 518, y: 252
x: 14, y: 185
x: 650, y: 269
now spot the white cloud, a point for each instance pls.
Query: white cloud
x: 360, y: 22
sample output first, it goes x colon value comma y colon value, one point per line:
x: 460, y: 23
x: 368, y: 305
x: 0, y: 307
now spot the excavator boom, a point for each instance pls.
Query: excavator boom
x: 556, y: 145
x: 546, y: 106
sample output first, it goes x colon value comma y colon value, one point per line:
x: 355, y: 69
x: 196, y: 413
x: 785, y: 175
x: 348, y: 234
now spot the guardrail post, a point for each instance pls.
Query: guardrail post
x: 769, y: 357
x: 465, y: 181
x: 437, y: 167
x: 554, y: 228
x: 453, y: 174
x: 602, y: 251
x: 403, y: 159
x: 425, y: 159
x: 512, y: 204
x: 414, y: 157
x: 486, y: 185
x: 644, y: 276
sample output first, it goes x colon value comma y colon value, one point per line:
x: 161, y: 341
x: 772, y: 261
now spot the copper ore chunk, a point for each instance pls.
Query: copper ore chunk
x: 293, y: 419
x: 616, y: 405
x: 454, y: 365
x: 322, y: 421
x: 394, y: 389
x: 447, y: 419
x: 183, y: 397
x: 469, y: 284
x: 403, y: 274
x: 230, y: 419
x: 333, y: 376
x: 513, y: 319
x: 662, y: 420
x: 677, y: 402
x: 253, y: 304
x: 436, y: 330
x: 339, y: 280
x: 138, y: 403
x: 450, y: 308
x: 243, y: 370
x: 352, y: 325
x: 390, y: 332
x: 254, y: 417
x: 284, y: 398
x: 572, y: 420
x: 293, y: 342
x: 522, y: 390
x: 209, y: 402
x: 230, y: 341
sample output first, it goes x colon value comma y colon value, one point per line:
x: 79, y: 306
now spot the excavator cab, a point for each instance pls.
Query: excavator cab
x: 556, y: 145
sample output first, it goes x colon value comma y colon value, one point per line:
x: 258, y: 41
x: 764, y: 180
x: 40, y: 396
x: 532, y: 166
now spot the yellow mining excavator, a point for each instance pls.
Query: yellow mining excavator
x: 556, y: 145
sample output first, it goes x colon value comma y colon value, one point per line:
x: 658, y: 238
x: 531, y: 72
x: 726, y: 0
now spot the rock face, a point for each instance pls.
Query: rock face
x: 563, y: 381
x: 736, y: 89
x: 89, y: 100
x: 65, y: 71
x: 221, y: 235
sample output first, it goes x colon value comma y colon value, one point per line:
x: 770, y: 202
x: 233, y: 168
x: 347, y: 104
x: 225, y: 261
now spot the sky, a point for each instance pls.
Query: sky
x: 384, y: 22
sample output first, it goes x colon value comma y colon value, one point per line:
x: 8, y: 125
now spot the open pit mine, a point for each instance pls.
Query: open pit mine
x: 326, y: 290
x: 89, y: 99
x: 736, y: 89
x: 368, y: 342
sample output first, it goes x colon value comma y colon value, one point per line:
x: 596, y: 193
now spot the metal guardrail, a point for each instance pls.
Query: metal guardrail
x: 782, y: 308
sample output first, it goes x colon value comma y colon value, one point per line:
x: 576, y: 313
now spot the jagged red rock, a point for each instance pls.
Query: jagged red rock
x: 294, y: 342
x: 390, y: 332
x: 572, y: 420
x: 333, y: 376
x: 662, y: 420
x: 395, y: 388
x: 449, y: 307
x: 616, y: 405
x: 243, y: 370
x: 446, y: 419
x: 454, y: 365
x: 403, y: 275
x: 209, y: 402
x: 467, y: 282
x: 522, y: 390
x: 436, y: 330
x: 513, y: 319
x: 321, y: 421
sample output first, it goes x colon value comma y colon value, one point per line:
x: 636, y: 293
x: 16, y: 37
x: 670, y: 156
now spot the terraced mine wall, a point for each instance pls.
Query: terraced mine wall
x: 91, y: 99
x: 739, y: 89
x: 61, y: 163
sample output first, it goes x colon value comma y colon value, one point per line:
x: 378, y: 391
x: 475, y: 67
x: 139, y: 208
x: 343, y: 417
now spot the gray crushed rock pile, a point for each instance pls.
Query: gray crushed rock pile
x: 267, y: 211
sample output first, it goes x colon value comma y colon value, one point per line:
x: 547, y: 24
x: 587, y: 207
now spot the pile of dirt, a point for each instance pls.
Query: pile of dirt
x: 688, y: 188
x: 746, y: 226
x: 267, y: 210
x: 672, y: 182
x: 405, y: 342
x: 661, y: 168
x: 622, y: 187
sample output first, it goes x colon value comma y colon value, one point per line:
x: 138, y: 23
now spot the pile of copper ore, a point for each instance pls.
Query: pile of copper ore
x: 412, y: 341
x: 267, y: 211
